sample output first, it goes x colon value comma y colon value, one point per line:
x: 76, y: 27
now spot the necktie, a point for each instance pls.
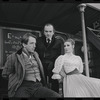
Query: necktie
x: 48, y: 40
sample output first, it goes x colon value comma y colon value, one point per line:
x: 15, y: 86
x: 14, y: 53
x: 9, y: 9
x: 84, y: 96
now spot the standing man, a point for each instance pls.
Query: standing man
x: 49, y: 48
x: 24, y: 72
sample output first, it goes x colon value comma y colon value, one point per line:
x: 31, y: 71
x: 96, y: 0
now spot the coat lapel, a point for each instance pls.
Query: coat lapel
x: 40, y: 67
x: 20, y: 58
x: 47, y: 46
x: 52, y: 42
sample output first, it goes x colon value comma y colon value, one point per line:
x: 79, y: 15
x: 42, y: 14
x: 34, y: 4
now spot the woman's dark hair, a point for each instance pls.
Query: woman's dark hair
x: 25, y: 37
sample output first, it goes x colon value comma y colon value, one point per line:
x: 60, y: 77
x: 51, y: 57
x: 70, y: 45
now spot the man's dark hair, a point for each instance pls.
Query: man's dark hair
x: 25, y: 37
x: 48, y: 24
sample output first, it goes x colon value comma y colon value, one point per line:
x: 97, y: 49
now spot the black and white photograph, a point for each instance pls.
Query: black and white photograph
x: 49, y: 50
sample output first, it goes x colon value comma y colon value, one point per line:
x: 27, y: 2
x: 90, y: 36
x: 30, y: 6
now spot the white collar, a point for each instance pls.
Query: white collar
x: 47, y: 39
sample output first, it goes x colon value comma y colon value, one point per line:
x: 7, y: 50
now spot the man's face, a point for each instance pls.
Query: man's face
x: 48, y: 31
x: 30, y: 46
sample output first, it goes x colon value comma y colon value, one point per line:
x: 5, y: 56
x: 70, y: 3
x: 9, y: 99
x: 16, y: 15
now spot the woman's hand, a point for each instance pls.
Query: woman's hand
x: 60, y: 80
x: 56, y: 76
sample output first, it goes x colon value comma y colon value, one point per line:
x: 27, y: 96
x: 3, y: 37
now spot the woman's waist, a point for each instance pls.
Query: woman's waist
x: 75, y: 71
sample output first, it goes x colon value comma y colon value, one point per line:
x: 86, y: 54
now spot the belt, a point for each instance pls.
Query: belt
x: 32, y: 81
x: 73, y: 72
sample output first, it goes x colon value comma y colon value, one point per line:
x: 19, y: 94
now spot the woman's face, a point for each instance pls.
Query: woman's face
x: 68, y: 47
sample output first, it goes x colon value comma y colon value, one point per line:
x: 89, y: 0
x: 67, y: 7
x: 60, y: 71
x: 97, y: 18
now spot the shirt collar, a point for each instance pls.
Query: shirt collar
x: 49, y: 39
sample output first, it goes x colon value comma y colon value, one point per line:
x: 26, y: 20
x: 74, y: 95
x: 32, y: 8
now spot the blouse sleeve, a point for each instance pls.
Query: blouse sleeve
x: 80, y: 65
x: 57, y: 67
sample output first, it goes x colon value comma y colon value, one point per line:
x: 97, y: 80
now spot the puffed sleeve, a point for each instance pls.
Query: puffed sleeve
x: 80, y: 65
x: 57, y: 67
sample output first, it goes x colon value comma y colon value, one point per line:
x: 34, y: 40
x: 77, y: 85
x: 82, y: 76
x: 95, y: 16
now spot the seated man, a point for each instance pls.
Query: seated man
x: 25, y: 72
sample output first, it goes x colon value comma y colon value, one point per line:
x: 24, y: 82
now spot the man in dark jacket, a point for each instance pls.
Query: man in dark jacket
x: 49, y: 48
x: 24, y: 71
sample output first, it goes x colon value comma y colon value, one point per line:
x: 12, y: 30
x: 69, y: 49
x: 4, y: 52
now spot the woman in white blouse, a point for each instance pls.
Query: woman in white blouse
x: 69, y: 67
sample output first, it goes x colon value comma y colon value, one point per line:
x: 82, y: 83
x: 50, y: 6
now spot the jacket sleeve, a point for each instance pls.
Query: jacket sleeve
x: 9, y: 66
x: 62, y: 48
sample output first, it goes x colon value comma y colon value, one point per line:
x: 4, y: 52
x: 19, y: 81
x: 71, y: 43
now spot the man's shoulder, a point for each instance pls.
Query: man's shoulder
x: 40, y: 38
x: 58, y: 40
x: 35, y: 52
x: 13, y: 55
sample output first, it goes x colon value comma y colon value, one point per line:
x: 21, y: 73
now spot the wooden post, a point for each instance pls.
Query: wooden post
x: 1, y: 49
x: 81, y: 9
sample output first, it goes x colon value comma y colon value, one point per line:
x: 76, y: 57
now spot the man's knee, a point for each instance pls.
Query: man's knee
x: 45, y: 92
